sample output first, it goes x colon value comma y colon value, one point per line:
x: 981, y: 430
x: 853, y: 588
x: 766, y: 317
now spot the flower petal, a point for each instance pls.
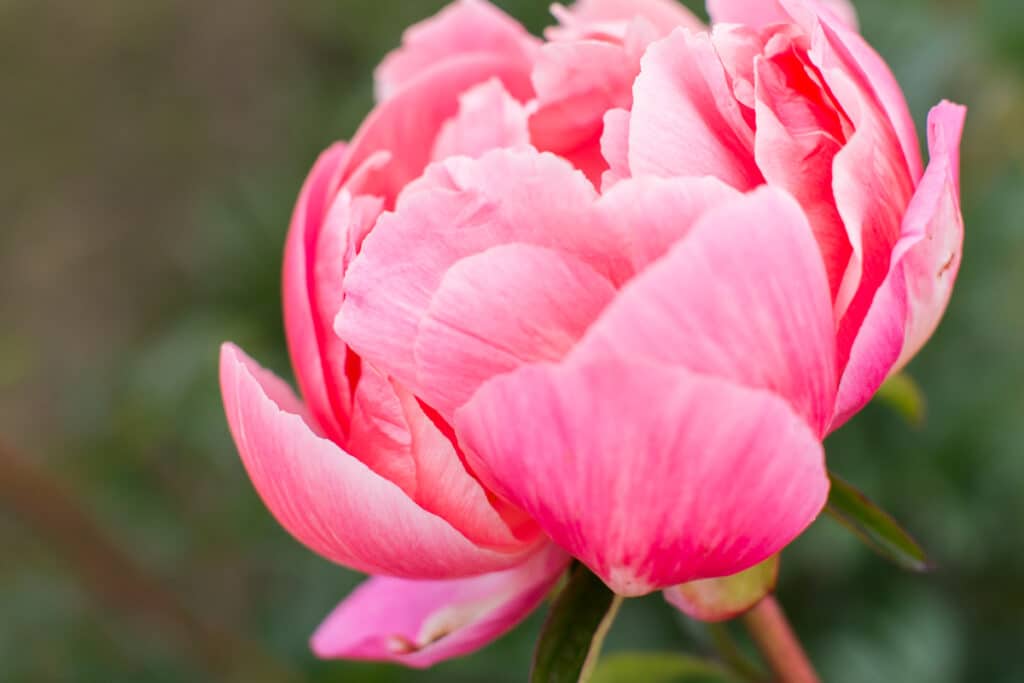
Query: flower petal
x: 494, y: 311
x: 465, y: 27
x: 610, y: 19
x: 743, y: 297
x: 421, y: 623
x: 650, y: 475
x: 329, y: 500
x: 685, y: 120
x: 488, y: 118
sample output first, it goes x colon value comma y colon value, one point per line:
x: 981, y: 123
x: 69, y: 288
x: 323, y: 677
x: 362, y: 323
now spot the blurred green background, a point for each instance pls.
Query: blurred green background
x: 152, y: 151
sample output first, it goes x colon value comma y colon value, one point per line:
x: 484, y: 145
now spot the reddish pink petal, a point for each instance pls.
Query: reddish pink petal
x: 798, y: 135
x: 685, y: 120
x: 649, y: 474
x: 318, y: 362
x: 460, y: 208
x: 465, y: 27
x: 421, y: 623
x: 932, y: 264
x: 400, y: 133
x: 652, y: 214
x: 743, y: 297
x: 488, y: 118
x: 494, y: 311
x: 330, y: 501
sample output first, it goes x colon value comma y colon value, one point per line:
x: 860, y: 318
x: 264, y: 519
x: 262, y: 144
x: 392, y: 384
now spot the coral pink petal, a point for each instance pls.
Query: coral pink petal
x: 421, y: 623
x: 652, y: 214
x: 932, y: 264
x: 460, y: 208
x: 650, y: 475
x: 488, y: 118
x: 743, y: 297
x: 681, y: 123
x: 325, y: 391
x: 402, y: 130
x: 466, y: 27
x: 329, y: 500
x: 494, y: 311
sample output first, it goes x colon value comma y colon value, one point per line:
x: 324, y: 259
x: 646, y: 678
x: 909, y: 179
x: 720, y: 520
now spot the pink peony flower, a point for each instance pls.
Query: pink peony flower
x: 599, y: 297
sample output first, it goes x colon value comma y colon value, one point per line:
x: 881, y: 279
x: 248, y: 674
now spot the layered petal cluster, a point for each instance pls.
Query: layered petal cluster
x: 597, y: 297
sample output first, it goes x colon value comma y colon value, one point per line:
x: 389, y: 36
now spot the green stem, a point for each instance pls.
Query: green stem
x: 778, y: 643
x: 731, y: 655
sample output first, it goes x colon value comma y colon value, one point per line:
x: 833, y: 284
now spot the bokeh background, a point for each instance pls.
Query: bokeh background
x: 151, y: 153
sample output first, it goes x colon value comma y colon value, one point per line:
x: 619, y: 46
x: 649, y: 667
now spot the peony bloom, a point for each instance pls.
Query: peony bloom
x: 599, y: 297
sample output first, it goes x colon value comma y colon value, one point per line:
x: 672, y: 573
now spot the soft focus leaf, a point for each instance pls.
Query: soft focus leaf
x: 726, y: 597
x: 574, y: 631
x: 874, y: 526
x: 902, y: 394
x: 655, y: 667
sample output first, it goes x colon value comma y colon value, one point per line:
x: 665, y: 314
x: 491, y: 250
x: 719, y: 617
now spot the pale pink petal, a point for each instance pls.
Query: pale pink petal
x: 798, y: 135
x: 421, y: 623
x: 465, y: 27
x: 401, y: 132
x: 494, y: 311
x: 611, y: 18
x: 743, y: 297
x: 615, y: 146
x: 685, y: 120
x: 759, y: 13
x: 932, y: 264
x: 650, y: 475
x: 652, y: 214
x: 460, y: 208
x: 488, y: 118
x: 329, y: 500
x: 576, y: 83
x: 318, y: 362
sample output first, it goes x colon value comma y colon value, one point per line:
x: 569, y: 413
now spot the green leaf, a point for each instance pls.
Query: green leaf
x: 874, y: 526
x: 656, y: 667
x: 727, y: 597
x: 571, y: 639
x: 901, y: 393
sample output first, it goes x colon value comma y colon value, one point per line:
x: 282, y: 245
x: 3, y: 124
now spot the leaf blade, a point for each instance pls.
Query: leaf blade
x: 874, y: 526
x: 659, y: 667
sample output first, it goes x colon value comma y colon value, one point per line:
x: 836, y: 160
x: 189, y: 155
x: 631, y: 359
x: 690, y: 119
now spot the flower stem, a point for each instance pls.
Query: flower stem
x: 778, y: 643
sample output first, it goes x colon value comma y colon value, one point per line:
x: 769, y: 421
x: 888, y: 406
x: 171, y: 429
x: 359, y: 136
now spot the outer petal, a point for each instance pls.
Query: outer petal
x: 319, y: 370
x: 488, y: 118
x: 652, y: 214
x: 911, y: 301
x: 932, y: 265
x: 510, y: 305
x: 460, y: 208
x: 420, y: 623
x: 401, y: 132
x: 650, y: 475
x: 743, y: 297
x: 464, y: 27
x: 329, y: 500
x: 685, y: 120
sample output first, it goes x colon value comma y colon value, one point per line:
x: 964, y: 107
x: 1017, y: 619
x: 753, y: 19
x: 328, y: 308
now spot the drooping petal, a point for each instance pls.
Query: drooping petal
x: 743, y: 297
x: 421, y: 623
x: 932, y: 264
x: 465, y: 27
x: 316, y: 368
x: 401, y: 132
x: 329, y: 500
x: 685, y: 120
x: 652, y: 214
x: 460, y: 208
x: 488, y: 118
x: 494, y: 311
x: 649, y: 474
